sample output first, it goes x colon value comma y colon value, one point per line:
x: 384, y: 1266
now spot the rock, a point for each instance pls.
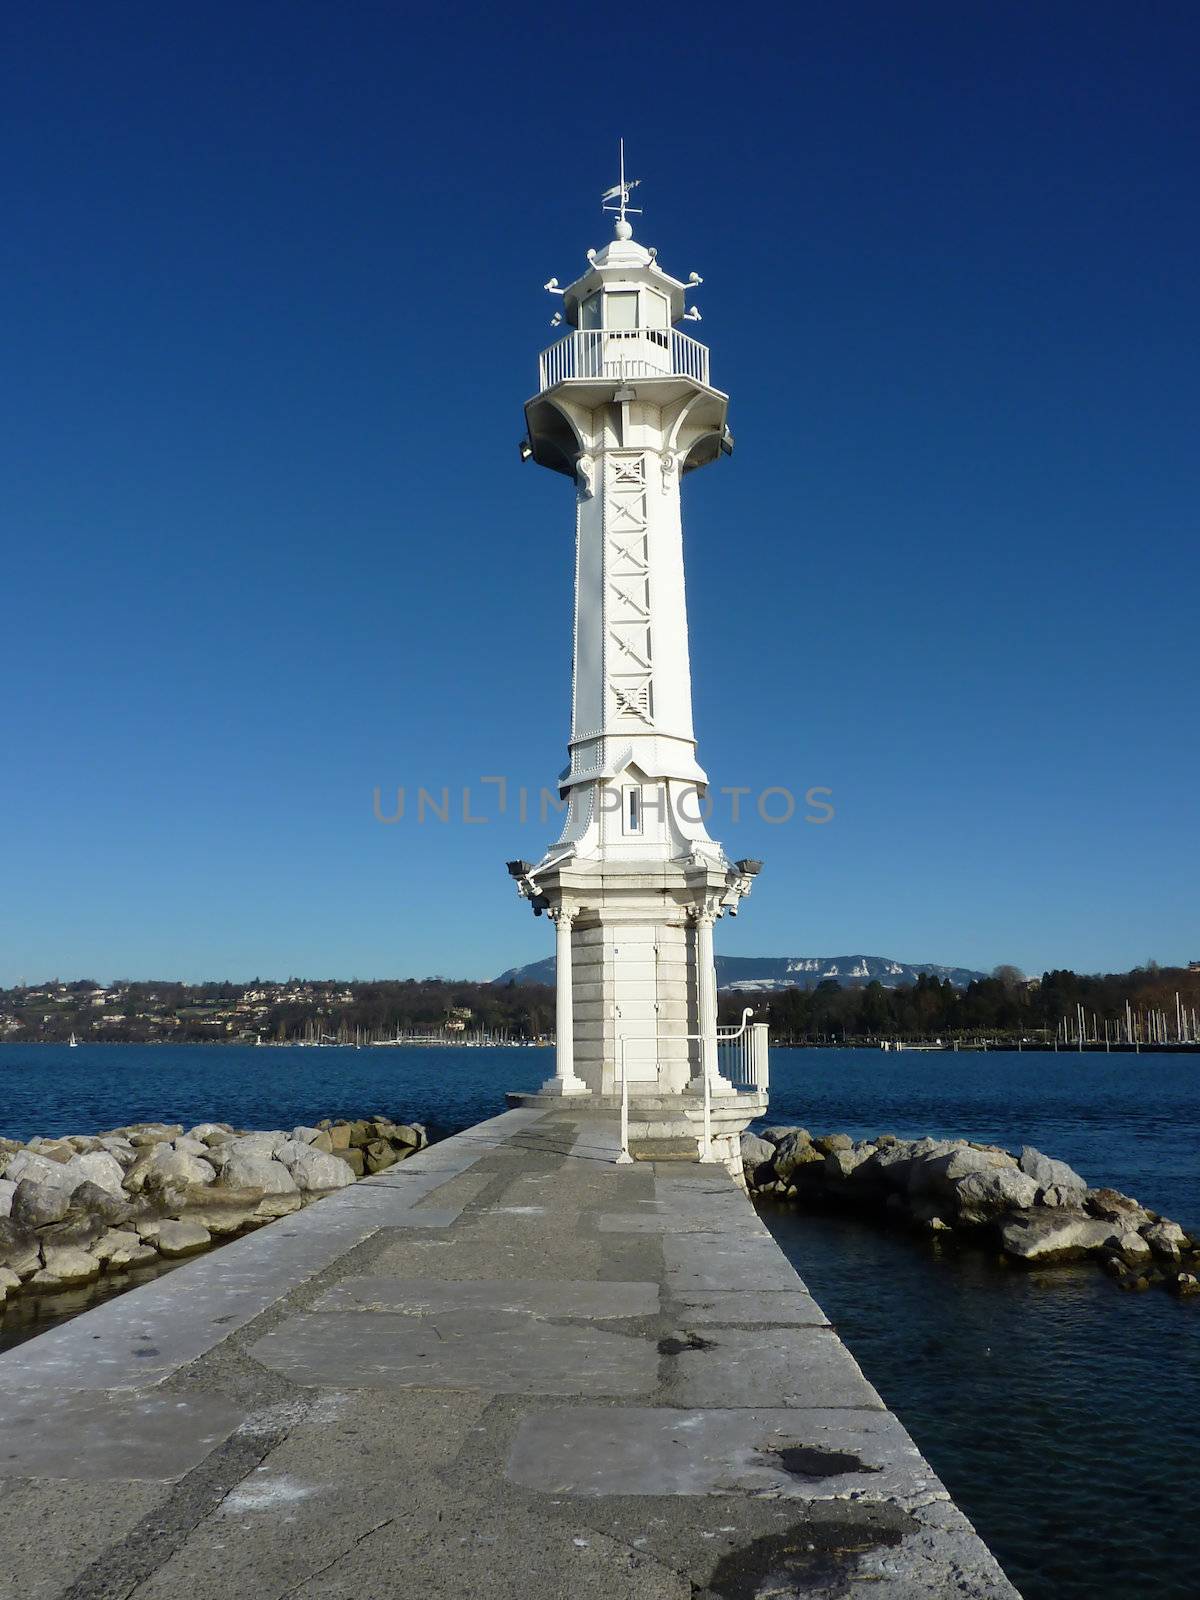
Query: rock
x: 305, y: 1135
x: 1113, y: 1206
x: 756, y: 1154
x: 65, y: 1265
x: 204, y: 1131
x: 1048, y: 1174
x: 794, y: 1150
x: 181, y: 1238
x: 826, y: 1143
x: 984, y: 1195
x: 116, y: 1241
x: 937, y: 1174
x: 841, y: 1163
x: 7, y: 1189
x: 91, y: 1200
x: 1129, y: 1243
x: 98, y: 1167
x: 314, y: 1169
x: 222, y: 1211
x: 36, y: 1205
x: 1184, y: 1284
x: 1166, y: 1239
x: 774, y: 1134
x: 1053, y: 1235
x: 339, y: 1136
x: 353, y: 1159
x: 262, y: 1145
x: 10, y: 1282
x: 278, y: 1205
x: 187, y: 1146
x: 926, y: 1213
x: 248, y: 1170
x: 170, y: 1167
x: 379, y: 1155
x: 410, y: 1133
x: 29, y: 1164
x: 18, y: 1249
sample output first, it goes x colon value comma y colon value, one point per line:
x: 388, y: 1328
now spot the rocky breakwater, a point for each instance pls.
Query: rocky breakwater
x: 1034, y: 1209
x: 73, y: 1208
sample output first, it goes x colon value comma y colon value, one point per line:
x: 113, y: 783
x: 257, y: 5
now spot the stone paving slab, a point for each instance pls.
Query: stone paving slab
x: 780, y: 1306
x: 508, y: 1367
x: 104, y: 1436
x: 652, y: 1450
x: 470, y: 1349
x: 538, y: 1297
x: 769, y: 1367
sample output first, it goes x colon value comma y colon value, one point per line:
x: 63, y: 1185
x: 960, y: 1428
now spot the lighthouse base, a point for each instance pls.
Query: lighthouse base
x: 641, y: 978
x: 670, y: 1127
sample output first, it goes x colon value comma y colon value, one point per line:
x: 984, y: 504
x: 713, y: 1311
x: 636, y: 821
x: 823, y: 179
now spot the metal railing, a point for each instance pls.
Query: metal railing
x: 622, y: 354
x: 742, y: 1061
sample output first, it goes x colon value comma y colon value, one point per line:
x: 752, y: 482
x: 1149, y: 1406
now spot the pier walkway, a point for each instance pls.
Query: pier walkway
x: 506, y: 1368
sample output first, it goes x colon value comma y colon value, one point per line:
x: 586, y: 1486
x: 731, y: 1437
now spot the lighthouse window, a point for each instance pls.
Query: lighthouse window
x: 589, y: 312
x: 622, y: 310
x: 633, y: 811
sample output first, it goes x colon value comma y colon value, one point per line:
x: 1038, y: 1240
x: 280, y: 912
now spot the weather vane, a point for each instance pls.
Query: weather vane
x: 617, y: 198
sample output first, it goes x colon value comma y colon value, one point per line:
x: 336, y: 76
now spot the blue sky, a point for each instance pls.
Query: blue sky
x: 272, y: 301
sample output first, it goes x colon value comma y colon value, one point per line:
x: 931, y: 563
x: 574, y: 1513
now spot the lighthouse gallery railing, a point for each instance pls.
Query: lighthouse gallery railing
x: 624, y: 353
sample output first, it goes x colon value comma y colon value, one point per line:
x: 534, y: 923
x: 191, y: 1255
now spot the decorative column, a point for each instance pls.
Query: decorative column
x: 564, y: 1081
x: 706, y: 992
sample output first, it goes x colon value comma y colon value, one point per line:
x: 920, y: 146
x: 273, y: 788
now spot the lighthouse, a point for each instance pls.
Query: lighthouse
x: 625, y: 409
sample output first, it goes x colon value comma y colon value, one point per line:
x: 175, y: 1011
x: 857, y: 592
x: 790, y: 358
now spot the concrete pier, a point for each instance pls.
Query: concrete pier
x: 508, y: 1367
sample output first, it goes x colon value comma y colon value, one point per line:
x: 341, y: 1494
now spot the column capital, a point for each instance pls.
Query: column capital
x: 562, y: 914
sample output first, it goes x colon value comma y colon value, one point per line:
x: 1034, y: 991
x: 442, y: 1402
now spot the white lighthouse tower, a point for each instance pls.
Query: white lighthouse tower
x: 625, y: 409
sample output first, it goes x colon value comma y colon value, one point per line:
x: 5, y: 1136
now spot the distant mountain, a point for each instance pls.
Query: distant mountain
x: 764, y: 973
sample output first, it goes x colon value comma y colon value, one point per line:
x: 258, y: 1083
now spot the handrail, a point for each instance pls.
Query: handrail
x: 622, y: 354
x: 719, y: 1036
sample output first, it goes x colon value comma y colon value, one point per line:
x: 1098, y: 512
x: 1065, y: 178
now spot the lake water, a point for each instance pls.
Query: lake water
x: 1060, y: 1412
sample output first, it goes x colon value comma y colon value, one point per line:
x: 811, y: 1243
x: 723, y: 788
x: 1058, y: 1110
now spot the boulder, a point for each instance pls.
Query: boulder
x: 1184, y: 1284
x: 278, y: 1205
x: 1166, y: 1239
x: 222, y: 1211
x: 36, y: 1205
x: 927, y: 1212
x: 841, y: 1163
x: 65, y: 1266
x: 339, y: 1136
x: 98, y: 1167
x: 938, y: 1174
x: 204, y: 1131
x: 410, y: 1133
x: 1113, y: 1206
x: 186, y: 1145
x: 171, y: 1167
x: 774, y: 1134
x: 304, y: 1135
x: 90, y: 1199
x: 1129, y: 1244
x: 29, y: 1164
x: 379, y: 1155
x: 181, y: 1238
x: 251, y: 1170
x: 116, y: 1242
x: 794, y: 1150
x: 353, y: 1159
x: 1049, y: 1174
x: 262, y: 1145
x: 985, y: 1194
x: 7, y: 1189
x: 1057, y: 1235
x: 314, y: 1169
x: 10, y: 1281
x: 756, y: 1154
x: 826, y: 1143
x: 18, y: 1249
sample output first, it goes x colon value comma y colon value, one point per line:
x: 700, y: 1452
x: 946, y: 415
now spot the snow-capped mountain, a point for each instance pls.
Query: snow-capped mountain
x: 764, y: 973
